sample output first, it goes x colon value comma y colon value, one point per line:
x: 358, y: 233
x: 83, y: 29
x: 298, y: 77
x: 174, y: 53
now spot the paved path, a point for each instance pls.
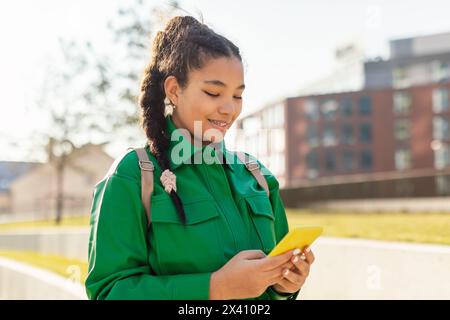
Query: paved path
x: 22, y: 281
x: 369, y: 269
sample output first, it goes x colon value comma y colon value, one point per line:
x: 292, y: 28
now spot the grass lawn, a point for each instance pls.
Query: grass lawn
x: 422, y: 227
x: 69, y: 268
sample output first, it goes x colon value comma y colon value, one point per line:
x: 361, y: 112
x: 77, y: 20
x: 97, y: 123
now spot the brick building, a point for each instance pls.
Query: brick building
x: 377, y: 142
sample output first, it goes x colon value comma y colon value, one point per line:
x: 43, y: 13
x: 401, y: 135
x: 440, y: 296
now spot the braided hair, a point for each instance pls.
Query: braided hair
x: 184, y: 44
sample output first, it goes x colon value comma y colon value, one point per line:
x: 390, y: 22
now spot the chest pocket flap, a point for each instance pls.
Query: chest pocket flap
x: 197, y: 244
x: 261, y: 213
x: 199, y: 211
x: 260, y: 205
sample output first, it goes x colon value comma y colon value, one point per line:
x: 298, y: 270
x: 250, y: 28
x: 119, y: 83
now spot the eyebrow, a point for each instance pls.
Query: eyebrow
x: 221, y: 84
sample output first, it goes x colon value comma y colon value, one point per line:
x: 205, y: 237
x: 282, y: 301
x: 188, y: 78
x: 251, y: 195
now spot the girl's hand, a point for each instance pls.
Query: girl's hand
x: 248, y: 274
x: 294, y: 278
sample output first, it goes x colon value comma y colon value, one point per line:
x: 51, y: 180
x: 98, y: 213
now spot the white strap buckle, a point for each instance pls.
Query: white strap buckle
x: 252, y: 165
x: 146, y: 165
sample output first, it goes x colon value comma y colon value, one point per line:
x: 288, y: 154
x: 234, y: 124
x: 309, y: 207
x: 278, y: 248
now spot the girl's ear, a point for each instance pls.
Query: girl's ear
x: 172, y: 89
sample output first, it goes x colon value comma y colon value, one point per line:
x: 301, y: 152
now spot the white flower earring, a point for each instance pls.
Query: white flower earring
x: 169, y: 107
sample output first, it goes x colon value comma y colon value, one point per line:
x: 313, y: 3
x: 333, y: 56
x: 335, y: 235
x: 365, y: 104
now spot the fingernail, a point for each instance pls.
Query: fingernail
x: 295, y: 260
x: 286, y: 272
x: 296, y: 252
x: 308, y: 249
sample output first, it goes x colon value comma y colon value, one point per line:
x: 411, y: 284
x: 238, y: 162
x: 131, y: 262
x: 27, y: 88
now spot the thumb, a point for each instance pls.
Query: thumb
x: 252, y: 254
x: 278, y: 260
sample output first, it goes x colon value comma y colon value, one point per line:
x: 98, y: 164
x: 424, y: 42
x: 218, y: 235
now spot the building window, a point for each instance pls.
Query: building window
x: 400, y: 77
x: 278, y: 115
x: 442, y: 156
x: 365, y: 106
x: 346, y: 106
x: 312, y: 161
x: 401, y: 129
x: 329, y: 135
x: 365, y: 133
x: 277, y: 140
x: 276, y: 162
x: 347, y: 136
x: 330, y: 160
x: 271, y: 116
x: 441, y: 128
x: 402, y: 102
x: 440, y: 71
x: 312, y: 136
x: 312, y: 164
x: 347, y: 160
x: 263, y: 141
x: 250, y: 144
x: 365, y: 160
x: 329, y: 109
x: 402, y: 159
x: 312, y: 109
x: 252, y: 124
x: 265, y: 119
x: 440, y: 100
x: 443, y: 185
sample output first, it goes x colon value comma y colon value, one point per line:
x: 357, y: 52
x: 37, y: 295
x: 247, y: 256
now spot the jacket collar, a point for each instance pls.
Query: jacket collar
x: 183, y: 151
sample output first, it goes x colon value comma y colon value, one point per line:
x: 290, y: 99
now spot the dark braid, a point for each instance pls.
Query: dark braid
x: 185, y: 44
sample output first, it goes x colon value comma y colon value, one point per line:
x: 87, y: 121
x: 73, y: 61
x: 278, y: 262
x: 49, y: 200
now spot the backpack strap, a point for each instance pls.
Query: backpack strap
x: 253, y: 167
x: 146, y: 180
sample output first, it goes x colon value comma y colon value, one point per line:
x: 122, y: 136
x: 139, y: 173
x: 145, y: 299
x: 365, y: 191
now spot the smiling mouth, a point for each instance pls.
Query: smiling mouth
x: 222, y: 124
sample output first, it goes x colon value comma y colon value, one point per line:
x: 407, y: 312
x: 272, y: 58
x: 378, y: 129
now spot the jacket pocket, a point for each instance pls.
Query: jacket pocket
x: 164, y: 211
x: 194, y: 247
x: 261, y: 213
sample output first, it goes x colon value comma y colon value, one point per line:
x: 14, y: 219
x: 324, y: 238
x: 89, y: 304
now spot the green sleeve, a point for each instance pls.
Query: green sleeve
x: 281, y: 224
x: 118, y: 249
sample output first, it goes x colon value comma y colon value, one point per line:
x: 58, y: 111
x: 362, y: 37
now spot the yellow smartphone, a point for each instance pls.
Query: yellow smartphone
x: 299, y: 237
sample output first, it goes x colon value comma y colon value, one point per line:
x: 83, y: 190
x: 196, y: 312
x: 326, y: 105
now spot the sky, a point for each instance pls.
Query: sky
x: 285, y: 44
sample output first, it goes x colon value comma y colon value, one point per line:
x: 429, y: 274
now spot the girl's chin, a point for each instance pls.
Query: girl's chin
x: 214, y: 135
x: 212, y: 139
x: 209, y: 138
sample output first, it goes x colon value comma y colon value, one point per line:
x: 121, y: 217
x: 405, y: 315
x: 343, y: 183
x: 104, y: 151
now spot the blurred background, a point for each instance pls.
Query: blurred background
x: 347, y: 103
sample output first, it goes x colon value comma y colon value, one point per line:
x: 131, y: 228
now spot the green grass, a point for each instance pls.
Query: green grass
x: 420, y: 227
x: 73, y: 221
x: 69, y: 268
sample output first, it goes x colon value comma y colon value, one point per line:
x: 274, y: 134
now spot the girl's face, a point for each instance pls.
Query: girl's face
x: 211, y: 100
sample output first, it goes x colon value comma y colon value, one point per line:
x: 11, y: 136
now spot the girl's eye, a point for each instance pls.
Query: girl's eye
x: 210, y: 94
x: 216, y: 95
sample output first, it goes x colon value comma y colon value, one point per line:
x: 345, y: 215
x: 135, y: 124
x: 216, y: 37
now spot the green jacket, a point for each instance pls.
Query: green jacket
x: 226, y: 209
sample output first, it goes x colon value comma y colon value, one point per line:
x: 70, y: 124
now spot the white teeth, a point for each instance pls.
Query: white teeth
x: 219, y: 123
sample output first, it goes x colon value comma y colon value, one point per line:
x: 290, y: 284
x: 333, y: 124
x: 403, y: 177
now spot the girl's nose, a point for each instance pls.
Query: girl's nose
x: 228, y: 108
